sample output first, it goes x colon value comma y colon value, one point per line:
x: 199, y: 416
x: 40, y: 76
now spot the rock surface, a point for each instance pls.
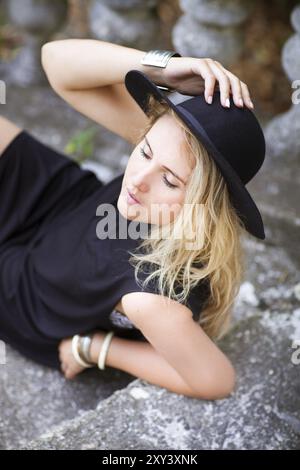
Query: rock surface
x: 40, y: 409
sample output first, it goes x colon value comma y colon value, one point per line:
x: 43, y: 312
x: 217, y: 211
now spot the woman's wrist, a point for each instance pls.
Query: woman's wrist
x: 156, y: 74
x: 158, y: 64
x: 95, y: 348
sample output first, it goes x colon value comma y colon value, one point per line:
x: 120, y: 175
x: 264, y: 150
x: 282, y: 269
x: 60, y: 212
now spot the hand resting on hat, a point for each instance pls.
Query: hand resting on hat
x: 192, y: 76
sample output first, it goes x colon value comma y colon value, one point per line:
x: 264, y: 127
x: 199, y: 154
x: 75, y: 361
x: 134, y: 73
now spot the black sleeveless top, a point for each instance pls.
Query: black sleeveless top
x: 58, y: 277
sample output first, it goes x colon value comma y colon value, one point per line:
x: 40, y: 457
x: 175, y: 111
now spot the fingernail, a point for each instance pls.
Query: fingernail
x: 251, y: 104
x: 227, y: 103
x: 241, y: 103
x: 209, y: 99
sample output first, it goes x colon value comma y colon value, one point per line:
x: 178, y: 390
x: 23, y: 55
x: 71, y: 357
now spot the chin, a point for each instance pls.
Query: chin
x: 121, y: 208
x: 126, y: 211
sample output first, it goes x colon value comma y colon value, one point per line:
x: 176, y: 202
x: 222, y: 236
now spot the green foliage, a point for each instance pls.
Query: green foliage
x: 81, y: 145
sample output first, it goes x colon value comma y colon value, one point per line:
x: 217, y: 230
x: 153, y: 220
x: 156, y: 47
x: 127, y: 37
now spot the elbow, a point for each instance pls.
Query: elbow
x: 46, y: 55
x: 220, y: 386
x: 46, y: 52
x: 224, y: 389
x: 51, y: 64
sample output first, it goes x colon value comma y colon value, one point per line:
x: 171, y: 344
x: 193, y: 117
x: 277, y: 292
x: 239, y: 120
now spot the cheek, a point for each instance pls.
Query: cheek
x: 161, y: 195
x: 168, y: 205
x: 170, y: 196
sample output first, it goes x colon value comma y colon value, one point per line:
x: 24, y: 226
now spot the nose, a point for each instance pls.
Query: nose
x: 139, y: 180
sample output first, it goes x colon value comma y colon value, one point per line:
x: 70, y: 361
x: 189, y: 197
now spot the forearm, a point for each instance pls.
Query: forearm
x: 140, y: 359
x: 77, y: 64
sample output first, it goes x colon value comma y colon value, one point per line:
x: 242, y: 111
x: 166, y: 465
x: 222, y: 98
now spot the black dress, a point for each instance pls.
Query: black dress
x: 57, y: 277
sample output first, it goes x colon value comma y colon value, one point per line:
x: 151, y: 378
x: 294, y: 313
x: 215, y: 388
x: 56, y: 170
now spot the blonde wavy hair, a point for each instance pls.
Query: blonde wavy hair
x: 219, y: 258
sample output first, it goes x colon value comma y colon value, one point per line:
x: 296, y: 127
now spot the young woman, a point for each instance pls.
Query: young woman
x: 61, y: 277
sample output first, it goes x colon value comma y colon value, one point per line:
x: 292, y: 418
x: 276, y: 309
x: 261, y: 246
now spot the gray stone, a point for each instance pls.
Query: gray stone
x: 36, y: 15
x: 276, y: 187
x: 33, y: 398
x: 295, y: 18
x: 211, y: 29
x: 36, y: 20
x: 136, y: 27
x: 25, y: 69
x: 126, y: 4
x: 283, y: 138
x: 218, y: 12
x: 291, y: 57
x: 195, y: 39
x: 262, y: 413
x: 280, y: 188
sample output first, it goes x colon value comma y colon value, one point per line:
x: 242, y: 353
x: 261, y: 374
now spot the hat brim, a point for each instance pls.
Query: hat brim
x: 140, y: 86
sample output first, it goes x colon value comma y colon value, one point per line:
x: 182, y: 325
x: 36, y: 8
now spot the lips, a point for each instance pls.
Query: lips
x: 133, y: 197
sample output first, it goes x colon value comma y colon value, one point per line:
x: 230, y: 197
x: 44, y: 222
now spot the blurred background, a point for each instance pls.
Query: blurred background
x: 259, y: 41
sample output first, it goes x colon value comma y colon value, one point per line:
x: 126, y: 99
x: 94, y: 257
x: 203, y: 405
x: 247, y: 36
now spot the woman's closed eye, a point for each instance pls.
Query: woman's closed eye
x: 170, y: 185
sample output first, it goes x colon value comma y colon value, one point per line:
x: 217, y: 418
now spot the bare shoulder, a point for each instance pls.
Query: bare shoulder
x: 145, y: 309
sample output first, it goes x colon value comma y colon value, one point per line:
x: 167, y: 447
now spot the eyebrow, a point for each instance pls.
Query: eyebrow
x: 163, y: 166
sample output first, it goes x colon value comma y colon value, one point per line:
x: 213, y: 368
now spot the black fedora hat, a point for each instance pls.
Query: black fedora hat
x: 232, y: 136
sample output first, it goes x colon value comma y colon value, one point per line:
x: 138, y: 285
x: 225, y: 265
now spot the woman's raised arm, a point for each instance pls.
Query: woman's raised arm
x: 89, y: 75
x: 77, y: 64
